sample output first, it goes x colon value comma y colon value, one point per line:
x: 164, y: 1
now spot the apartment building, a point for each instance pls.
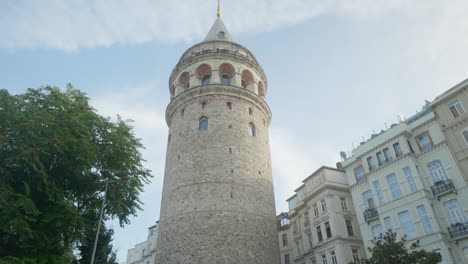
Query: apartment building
x: 406, y: 180
x: 322, y: 220
x: 144, y: 252
x: 285, y: 239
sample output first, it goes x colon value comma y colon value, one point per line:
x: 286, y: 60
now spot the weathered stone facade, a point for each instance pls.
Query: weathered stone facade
x: 218, y: 203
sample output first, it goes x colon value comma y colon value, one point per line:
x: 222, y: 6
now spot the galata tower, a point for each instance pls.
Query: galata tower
x: 218, y: 202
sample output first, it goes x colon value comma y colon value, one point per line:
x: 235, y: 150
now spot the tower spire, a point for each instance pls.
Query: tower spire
x: 218, y: 13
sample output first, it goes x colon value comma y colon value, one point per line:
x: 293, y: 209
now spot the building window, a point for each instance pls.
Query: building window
x: 250, y: 111
x: 225, y: 80
x: 371, y: 163
x: 465, y: 134
x: 380, y: 158
x: 324, y: 206
x: 313, y: 261
x: 388, y: 224
x: 206, y: 80
x: 359, y: 172
x: 349, y: 227
x: 243, y: 84
x: 355, y: 254
x: 465, y: 253
x: 377, y: 231
x: 454, y: 212
x: 394, y: 185
x: 397, y: 149
x: 306, y: 218
x: 309, y: 235
x: 407, y: 224
x: 285, y: 240
x: 182, y: 112
x: 437, y: 171
x: 316, y: 210
x: 203, y: 123
x: 328, y: 229
x: 424, y: 141
x: 388, y: 155
x: 251, y: 130
x: 333, y: 257
x: 319, y: 233
x: 426, y: 221
x: 203, y: 105
x: 286, y: 259
x: 344, y: 206
x: 229, y: 106
x: 410, y: 179
x: 324, y: 259
x: 456, y: 108
x: 379, y: 192
x: 368, y: 200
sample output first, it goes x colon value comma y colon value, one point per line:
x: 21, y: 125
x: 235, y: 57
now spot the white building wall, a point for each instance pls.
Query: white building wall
x: 417, y: 161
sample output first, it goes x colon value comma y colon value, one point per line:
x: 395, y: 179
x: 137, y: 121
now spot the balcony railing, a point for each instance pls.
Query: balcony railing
x: 371, y: 214
x: 441, y: 187
x: 458, y: 230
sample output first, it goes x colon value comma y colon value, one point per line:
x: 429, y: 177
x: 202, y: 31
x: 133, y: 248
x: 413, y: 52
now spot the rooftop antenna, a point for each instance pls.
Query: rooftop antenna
x: 218, y: 13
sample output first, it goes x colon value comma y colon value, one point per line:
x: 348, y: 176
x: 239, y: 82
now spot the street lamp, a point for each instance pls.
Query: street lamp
x: 109, y: 178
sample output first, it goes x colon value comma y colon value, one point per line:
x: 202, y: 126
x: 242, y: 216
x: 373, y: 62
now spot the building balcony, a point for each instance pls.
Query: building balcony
x: 442, y: 187
x: 458, y: 230
x: 371, y: 214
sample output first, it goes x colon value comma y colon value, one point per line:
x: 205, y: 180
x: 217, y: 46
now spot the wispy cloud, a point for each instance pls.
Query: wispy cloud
x: 70, y: 25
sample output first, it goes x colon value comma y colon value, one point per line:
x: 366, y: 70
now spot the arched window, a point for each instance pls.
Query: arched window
x: 229, y: 106
x: 437, y: 171
x: 206, y: 80
x: 247, y: 78
x: 203, y: 123
x: 252, y: 130
x: 203, y: 105
x: 225, y: 80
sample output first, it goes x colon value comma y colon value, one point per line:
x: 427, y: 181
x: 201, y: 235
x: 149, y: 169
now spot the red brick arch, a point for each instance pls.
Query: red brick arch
x: 184, y: 78
x: 203, y: 70
x: 226, y: 69
x: 247, y: 77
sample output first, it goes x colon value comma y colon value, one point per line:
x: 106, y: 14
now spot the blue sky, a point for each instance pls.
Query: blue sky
x: 337, y: 69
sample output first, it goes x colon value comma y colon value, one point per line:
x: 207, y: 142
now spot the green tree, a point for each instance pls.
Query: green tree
x: 104, y: 252
x: 50, y: 143
x: 387, y: 250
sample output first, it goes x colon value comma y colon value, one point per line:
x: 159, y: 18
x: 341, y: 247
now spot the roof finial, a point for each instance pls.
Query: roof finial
x: 219, y: 10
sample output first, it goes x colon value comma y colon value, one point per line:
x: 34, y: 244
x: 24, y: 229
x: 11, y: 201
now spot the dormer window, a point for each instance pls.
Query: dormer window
x: 221, y: 35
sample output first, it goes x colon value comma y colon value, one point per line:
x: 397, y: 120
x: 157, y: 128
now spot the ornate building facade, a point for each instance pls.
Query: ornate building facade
x: 218, y: 202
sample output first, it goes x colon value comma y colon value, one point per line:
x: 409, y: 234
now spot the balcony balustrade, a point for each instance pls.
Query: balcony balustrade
x: 441, y: 187
x: 371, y: 214
x: 458, y: 230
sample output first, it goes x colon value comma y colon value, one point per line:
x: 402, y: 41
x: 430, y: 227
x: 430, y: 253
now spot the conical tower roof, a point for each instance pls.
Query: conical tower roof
x: 218, y: 31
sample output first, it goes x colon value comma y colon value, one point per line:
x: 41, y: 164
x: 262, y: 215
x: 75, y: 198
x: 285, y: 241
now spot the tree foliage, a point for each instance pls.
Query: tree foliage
x: 387, y: 250
x: 50, y: 142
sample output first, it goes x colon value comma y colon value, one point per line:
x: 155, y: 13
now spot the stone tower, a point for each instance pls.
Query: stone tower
x: 218, y: 203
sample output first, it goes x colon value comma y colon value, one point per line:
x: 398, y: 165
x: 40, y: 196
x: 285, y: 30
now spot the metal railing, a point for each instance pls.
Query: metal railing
x: 371, y: 214
x: 458, y: 230
x: 441, y: 187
